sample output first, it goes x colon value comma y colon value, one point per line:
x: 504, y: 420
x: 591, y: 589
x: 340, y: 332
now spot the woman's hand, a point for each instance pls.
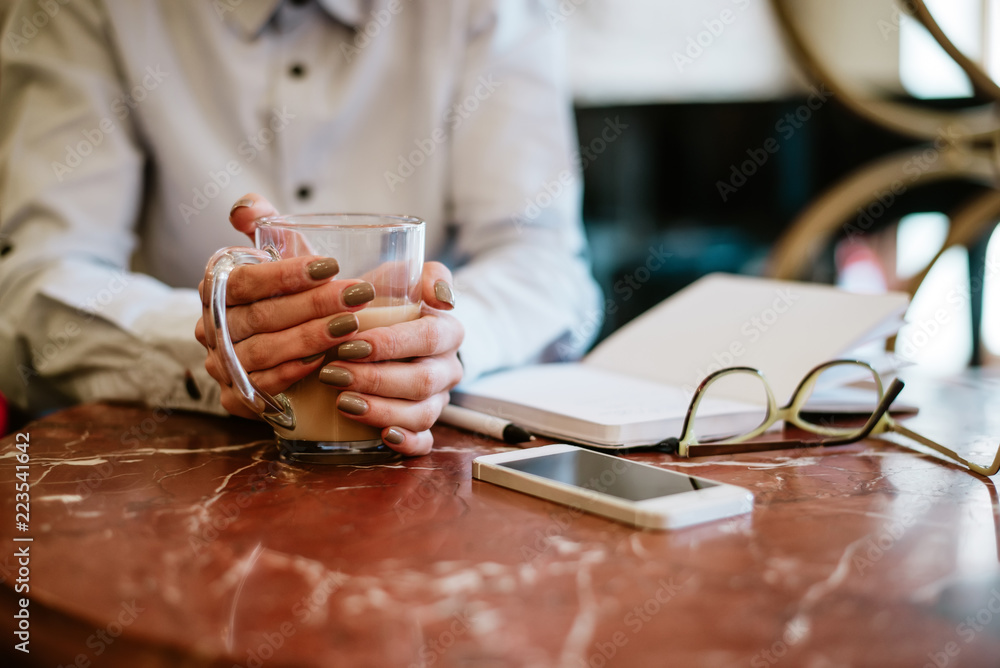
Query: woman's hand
x: 398, y: 377
x: 284, y: 316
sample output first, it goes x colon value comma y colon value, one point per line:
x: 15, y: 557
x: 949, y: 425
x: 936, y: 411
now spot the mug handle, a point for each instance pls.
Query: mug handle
x: 274, y: 409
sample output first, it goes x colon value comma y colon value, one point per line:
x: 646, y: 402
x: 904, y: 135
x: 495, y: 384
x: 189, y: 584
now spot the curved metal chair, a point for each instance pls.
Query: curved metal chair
x: 966, y: 147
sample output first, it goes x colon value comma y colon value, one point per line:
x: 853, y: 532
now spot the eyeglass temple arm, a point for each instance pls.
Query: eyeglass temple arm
x: 876, y: 417
x: 891, y: 425
x: 923, y: 440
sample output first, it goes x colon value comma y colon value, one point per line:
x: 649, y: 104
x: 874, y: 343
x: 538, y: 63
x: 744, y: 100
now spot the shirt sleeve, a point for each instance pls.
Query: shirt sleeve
x: 526, y: 292
x: 75, y: 323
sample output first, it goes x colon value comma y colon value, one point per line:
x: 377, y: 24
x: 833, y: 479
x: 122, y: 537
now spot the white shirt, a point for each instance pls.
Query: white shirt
x: 128, y: 128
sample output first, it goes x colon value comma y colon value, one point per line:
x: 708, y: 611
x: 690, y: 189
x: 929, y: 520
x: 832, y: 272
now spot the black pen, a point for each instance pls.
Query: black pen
x: 481, y: 423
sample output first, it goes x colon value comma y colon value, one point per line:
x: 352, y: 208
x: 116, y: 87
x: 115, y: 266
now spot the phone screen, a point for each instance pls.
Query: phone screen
x: 610, y: 475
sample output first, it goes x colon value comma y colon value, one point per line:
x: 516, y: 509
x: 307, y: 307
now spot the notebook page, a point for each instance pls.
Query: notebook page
x: 783, y: 328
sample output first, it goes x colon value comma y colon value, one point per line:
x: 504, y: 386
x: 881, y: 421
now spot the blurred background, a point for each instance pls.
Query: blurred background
x: 709, y: 128
x: 726, y: 138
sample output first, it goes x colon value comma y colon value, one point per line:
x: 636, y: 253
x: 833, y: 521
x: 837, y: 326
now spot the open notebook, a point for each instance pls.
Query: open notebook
x: 634, y: 388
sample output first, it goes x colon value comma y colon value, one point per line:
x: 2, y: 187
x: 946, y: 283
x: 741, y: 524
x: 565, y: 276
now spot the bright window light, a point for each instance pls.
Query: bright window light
x: 938, y: 330
x: 925, y: 70
x: 991, y: 26
x: 919, y: 237
x: 991, y: 296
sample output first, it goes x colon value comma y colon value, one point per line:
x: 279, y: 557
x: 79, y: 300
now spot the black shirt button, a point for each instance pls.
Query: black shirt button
x: 304, y: 192
x: 298, y: 70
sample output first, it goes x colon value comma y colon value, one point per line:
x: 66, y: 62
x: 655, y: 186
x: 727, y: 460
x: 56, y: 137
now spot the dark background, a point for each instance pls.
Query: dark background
x: 656, y: 185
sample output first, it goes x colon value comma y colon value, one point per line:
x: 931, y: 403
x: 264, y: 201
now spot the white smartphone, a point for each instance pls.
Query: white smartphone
x: 637, y: 494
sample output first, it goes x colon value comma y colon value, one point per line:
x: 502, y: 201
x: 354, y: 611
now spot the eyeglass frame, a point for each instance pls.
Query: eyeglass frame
x: 879, y: 422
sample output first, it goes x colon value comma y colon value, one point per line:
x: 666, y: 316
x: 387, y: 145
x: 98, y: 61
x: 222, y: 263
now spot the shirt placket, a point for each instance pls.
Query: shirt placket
x: 298, y: 86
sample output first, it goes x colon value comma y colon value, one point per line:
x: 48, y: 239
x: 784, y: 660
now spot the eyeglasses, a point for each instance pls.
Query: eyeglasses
x: 708, y: 414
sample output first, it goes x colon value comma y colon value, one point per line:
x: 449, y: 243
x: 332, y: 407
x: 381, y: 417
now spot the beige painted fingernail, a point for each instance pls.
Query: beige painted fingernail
x: 352, y: 403
x: 393, y: 436
x: 444, y: 294
x: 246, y: 201
x: 342, y: 325
x: 359, y: 293
x: 353, y: 350
x: 325, y: 268
x: 336, y: 376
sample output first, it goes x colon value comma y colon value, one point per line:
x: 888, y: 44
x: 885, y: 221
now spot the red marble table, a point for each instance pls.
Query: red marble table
x: 170, y: 539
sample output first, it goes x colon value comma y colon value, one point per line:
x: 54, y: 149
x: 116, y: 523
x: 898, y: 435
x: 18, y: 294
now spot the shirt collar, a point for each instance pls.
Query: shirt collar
x: 250, y: 16
x: 349, y: 12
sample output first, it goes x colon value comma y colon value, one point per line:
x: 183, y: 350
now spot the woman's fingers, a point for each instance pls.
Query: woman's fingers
x: 434, y: 333
x: 436, y: 286
x: 287, y: 311
x: 247, y: 209
x: 414, y: 416
x: 408, y: 395
x: 199, y: 333
x: 407, y: 442
x: 273, y: 379
x: 286, y: 315
x: 268, y: 349
x: 252, y: 282
x: 235, y: 406
x: 417, y: 380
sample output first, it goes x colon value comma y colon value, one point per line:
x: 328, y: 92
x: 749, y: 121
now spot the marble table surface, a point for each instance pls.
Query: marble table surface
x: 161, y: 538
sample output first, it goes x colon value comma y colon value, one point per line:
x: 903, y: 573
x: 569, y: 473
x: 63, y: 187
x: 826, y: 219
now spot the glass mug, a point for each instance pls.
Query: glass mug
x: 385, y: 250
